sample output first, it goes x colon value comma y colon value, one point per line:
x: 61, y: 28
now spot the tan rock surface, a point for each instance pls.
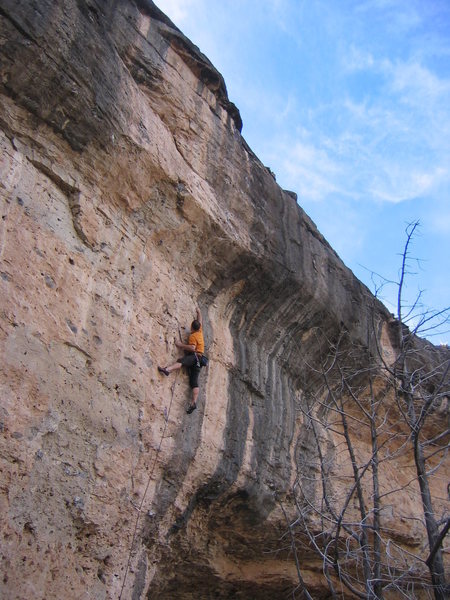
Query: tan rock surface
x: 128, y: 198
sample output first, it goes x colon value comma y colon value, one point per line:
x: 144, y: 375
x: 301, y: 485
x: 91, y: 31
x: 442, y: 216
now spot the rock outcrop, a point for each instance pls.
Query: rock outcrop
x: 129, y: 197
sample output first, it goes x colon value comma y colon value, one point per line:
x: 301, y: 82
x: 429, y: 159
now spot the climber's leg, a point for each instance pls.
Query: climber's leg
x: 167, y: 370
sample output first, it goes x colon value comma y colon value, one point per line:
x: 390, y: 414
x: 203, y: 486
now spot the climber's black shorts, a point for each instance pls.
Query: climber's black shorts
x: 194, y: 372
x: 191, y: 362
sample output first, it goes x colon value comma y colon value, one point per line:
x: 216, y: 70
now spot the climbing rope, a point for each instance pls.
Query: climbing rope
x: 139, y: 509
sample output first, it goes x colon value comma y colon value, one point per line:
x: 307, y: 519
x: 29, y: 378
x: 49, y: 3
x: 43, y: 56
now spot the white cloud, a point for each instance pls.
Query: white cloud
x: 399, y: 16
x: 373, y: 121
x: 356, y: 59
x: 401, y: 141
x: 288, y: 108
x: 396, y: 183
x: 309, y: 169
x: 417, y: 85
x: 178, y: 10
x: 411, y: 79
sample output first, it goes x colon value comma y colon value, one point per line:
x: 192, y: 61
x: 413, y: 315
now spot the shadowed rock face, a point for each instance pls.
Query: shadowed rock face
x: 128, y: 198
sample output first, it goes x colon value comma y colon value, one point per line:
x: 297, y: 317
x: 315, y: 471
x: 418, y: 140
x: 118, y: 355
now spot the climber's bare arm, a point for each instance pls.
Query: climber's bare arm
x: 188, y: 347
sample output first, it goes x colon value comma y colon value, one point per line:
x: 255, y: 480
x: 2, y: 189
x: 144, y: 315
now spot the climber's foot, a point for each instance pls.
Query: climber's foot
x: 164, y: 371
x: 191, y: 408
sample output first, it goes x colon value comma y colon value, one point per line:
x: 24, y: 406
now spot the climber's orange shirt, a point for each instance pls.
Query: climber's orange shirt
x: 196, y: 339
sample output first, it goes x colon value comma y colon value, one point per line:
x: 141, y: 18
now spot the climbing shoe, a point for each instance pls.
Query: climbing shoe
x: 191, y: 409
x: 164, y: 371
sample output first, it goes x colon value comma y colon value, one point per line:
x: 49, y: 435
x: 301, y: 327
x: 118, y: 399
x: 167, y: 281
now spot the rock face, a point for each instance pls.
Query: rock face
x: 129, y: 198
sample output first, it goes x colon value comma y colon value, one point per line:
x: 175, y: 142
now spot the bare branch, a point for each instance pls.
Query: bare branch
x: 438, y: 543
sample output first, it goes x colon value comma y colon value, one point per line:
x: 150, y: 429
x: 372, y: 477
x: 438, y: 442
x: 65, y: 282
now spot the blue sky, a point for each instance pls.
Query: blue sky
x: 348, y: 102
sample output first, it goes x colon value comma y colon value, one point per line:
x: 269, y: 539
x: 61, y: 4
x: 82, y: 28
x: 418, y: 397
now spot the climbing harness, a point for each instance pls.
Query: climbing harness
x: 166, y: 414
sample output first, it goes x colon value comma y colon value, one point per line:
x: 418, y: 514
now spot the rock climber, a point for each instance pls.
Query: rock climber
x: 194, y: 358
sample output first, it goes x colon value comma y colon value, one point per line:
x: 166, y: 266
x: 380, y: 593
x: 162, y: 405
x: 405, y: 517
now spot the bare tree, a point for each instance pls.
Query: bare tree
x: 418, y: 392
x: 370, y: 414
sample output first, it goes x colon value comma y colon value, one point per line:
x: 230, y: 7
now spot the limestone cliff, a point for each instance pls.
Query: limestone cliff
x: 129, y: 197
